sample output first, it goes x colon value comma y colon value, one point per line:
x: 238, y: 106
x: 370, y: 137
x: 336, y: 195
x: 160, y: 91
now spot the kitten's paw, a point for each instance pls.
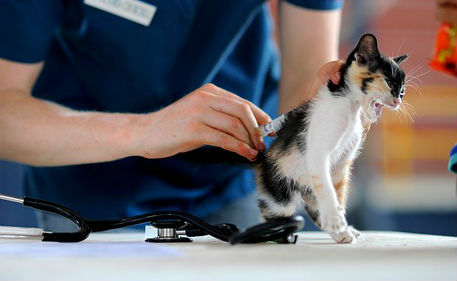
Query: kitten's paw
x: 348, y: 236
x: 354, y: 231
x: 333, y: 221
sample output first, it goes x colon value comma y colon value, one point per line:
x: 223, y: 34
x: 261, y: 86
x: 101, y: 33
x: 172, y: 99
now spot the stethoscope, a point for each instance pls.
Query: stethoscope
x: 172, y: 226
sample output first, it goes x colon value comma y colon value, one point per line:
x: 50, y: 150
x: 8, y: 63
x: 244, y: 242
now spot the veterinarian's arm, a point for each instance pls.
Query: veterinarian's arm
x: 42, y: 133
x: 308, y: 40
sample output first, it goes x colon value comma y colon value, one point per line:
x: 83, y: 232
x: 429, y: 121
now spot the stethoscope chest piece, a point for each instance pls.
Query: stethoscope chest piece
x: 167, y: 232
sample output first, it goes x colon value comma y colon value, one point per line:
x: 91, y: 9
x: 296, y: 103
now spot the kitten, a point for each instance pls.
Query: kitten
x: 310, y: 160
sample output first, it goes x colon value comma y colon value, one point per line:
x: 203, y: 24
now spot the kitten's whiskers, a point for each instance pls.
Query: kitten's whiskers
x: 413, y: 80
x: 415, y: 69
x: 415, y: 87
x: 399, y: 49
x: 406, y: 112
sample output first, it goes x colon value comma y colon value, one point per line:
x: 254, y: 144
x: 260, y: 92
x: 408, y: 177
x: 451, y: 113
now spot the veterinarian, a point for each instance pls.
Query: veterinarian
x: 98, y: 98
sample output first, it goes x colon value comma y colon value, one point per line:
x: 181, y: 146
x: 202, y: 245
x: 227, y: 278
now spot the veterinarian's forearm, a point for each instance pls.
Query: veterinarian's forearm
x: 42, y: 133
x: 308, y: 39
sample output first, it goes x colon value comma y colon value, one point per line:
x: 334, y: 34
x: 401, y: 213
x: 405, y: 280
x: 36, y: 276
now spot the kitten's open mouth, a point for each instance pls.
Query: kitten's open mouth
x: 377, y: 106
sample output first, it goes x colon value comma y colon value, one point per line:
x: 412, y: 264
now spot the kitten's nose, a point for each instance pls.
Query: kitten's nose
x: 396, y: 102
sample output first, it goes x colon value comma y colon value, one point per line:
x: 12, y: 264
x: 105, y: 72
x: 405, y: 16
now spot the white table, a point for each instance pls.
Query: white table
x: 124, y: 256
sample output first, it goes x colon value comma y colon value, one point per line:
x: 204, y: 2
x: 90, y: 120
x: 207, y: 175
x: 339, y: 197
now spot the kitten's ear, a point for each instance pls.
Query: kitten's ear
x: 400, y: 59
x: 367, y: 49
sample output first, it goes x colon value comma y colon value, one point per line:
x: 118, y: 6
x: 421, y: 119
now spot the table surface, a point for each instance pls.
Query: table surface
x: 124, y: 256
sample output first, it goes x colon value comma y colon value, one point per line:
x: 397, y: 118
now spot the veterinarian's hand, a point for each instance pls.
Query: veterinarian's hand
x: 329, y: 71
x: 208, y: 116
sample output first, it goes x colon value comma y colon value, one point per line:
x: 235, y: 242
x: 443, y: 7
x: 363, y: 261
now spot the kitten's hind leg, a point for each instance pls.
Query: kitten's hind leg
x: 271, y: 208
x: 311, y: 206
x: 278, y: 195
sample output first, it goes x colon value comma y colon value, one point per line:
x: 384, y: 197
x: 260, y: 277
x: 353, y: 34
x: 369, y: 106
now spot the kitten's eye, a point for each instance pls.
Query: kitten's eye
x: 402, y: 93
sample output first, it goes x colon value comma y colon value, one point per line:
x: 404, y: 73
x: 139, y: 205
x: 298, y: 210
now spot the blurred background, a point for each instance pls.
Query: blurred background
x: 400, y: 181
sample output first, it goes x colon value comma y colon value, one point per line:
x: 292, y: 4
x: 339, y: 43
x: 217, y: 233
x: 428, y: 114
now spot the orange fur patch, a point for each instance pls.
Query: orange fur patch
x: 379, y: 85
x: 341, y: 189
x: 340, y: 184
x: 358, y: 73
x: 317, y: 184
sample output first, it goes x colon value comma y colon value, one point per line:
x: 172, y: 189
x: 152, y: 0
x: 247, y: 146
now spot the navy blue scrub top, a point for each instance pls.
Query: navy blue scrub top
x: 95, y: 60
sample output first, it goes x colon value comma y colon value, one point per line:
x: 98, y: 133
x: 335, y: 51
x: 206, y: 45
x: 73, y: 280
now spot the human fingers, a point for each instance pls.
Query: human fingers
x: 261, y: 117
x: 223, y: 140
x: 240, y: 110
x: 331, y: 71
x: 228, y: 124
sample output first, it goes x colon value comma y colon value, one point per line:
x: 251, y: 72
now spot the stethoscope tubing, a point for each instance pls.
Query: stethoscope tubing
x: 78, y: 236
x: 279, y: 229
x: 88, y: 226
x: 98, y: 226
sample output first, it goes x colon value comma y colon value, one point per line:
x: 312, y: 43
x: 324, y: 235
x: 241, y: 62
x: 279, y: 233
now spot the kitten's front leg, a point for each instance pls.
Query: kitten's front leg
x: 332, y: 217
x: 342, y: 171
x: 347, y: 236
x: 331, y: 214
x: 326, y: 131
x: 340, y: 179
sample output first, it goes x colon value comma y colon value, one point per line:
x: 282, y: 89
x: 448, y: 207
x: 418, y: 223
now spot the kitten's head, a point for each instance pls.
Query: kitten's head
x: 378, y: 79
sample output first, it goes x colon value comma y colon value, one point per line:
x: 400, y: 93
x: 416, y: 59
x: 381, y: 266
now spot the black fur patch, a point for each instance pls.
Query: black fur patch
x: 294, y: 124
x: 279, y: 188
x: 262, y: 204
x: 337, y: 89
x: 307, y: 191
x: 365, y: 82
x: 393, y: 74
x: 313, y: 214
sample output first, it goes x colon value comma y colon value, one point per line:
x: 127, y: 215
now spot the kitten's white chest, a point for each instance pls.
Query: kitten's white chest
x: 334, y: 129
x: 351, y: 136
x: 335, y: 126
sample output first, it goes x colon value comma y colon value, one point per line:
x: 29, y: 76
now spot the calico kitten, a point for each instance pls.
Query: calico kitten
x: 310, y: 160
